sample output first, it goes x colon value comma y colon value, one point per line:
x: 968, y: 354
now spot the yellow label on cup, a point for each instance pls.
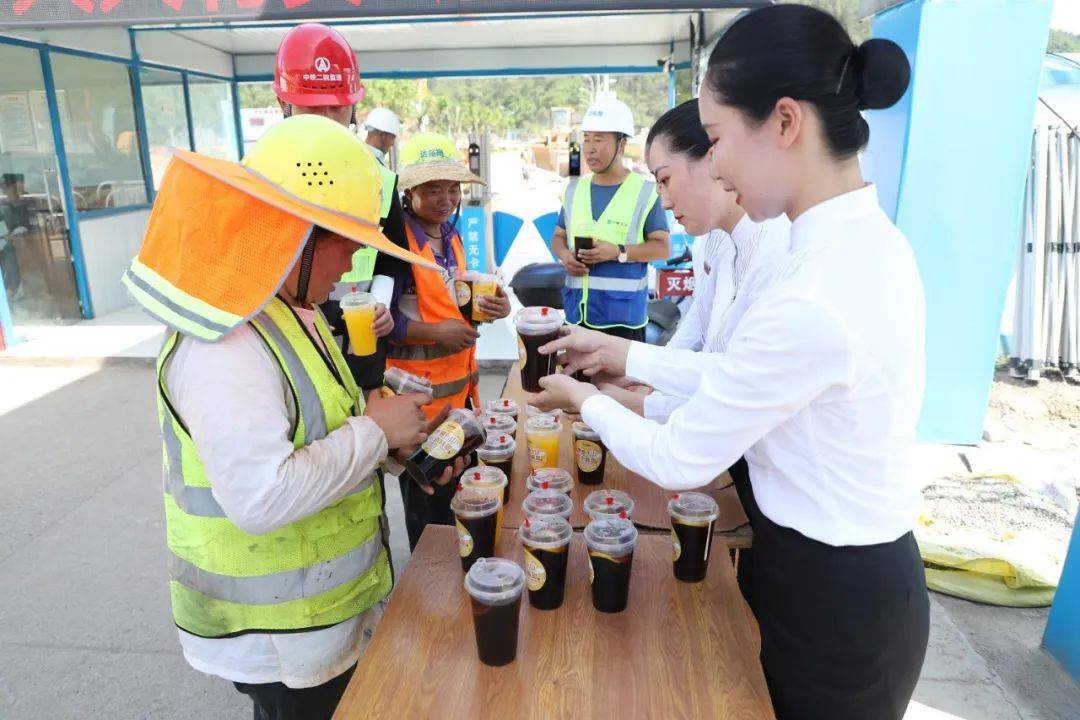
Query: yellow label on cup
x: 535, y: 574
x: 588, y: 455
x: 464, y: 540
x: 676, y: 546
x: 521, y: 352
x: 446, y: 441
x: 592, y: 573
x: 537, y: 457
x: 463, y: 292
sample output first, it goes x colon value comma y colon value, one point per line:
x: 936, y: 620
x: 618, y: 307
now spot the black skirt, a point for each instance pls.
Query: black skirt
x: 843, y: 629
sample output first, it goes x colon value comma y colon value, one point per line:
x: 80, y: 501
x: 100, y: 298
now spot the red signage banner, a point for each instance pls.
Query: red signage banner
x: 676, y: 283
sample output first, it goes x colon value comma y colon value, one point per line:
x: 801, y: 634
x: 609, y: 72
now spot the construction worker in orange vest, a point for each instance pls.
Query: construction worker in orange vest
x: 431, y: 337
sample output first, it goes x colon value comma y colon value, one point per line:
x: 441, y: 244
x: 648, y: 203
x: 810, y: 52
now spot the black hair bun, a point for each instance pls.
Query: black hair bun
x: 884, y: 73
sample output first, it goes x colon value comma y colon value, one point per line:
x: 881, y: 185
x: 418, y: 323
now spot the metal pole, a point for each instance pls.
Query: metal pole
x: 236, y: 112
x: 71, y: 213
x: 140, y: 116
x: 187, y: 111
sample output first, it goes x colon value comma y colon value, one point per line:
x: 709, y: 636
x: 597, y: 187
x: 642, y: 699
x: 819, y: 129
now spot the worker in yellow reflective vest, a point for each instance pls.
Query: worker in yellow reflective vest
x: 279, y: 557
x: 609, y: 230
x: 300, y: 90
x: 431, y: 338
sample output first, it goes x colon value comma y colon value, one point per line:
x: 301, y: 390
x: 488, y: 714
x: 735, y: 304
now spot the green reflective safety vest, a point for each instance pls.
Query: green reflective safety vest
x: 613, y: 294
x: 363, y: 260
x: 316, y: 572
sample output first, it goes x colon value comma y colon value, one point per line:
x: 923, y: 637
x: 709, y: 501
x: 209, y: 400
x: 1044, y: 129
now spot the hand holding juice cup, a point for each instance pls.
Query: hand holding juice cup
x: 358, y: 310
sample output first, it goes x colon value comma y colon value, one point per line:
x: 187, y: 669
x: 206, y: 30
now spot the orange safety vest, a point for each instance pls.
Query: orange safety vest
x: 453, y: 375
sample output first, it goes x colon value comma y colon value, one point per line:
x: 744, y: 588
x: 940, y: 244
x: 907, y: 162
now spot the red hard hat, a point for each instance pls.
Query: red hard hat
x: 316, y: 67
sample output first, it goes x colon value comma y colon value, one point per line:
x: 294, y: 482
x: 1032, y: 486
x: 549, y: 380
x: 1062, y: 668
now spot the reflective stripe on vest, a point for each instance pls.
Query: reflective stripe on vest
x: 315, y: 572
x: 453, y: 375
x: 613, y: 294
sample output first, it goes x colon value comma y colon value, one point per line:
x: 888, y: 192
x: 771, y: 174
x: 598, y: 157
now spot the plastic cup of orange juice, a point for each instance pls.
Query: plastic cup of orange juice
x: 358, y: 309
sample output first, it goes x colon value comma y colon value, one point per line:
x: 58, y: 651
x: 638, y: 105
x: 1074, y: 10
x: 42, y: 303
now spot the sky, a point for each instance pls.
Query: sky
x: 1066, y: 16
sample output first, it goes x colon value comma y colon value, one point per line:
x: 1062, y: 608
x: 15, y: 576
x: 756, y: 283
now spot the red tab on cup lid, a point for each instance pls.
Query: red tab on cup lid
x: 527, y: 523
x: 622, y: 514
x: 476, y: 475
x: 460, y: 487
x: 506, y: 403
x: 674, y: 496
x: 545, y: 485
x: 609, y: 500
x: 543, y: 311
x: 491, y: 420
x: 502, y: 438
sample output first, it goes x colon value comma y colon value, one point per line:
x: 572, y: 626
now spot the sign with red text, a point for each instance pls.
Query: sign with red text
x: 676, y: 283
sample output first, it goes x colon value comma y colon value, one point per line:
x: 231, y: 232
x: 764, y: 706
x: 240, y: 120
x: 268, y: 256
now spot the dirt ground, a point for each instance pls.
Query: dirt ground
x: 1044, y: 416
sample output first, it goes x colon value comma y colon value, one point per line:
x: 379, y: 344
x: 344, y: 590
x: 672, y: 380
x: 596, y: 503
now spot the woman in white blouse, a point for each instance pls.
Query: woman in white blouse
x: 821, y: 383
x: 740, y: 255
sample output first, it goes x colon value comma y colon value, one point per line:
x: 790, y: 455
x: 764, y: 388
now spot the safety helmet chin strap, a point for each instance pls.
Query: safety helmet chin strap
x: 618, y: 142
x: 304, y: 278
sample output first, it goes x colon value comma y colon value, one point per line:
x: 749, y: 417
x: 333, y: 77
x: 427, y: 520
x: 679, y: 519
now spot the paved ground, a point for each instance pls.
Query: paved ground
x: 85, y: 630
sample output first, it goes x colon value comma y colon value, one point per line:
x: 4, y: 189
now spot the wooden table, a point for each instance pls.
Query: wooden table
x: 650, y: 500
x: 678, y: 651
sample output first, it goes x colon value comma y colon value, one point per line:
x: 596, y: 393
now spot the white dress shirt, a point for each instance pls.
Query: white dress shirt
x: 237, y: 405
x: 711, y: 253
x: 743, y: 267
x: 820, y: 386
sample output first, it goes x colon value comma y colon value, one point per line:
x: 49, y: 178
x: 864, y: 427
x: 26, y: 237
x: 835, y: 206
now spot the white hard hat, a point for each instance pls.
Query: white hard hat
x: 383, y: 119
x: 608, y: 115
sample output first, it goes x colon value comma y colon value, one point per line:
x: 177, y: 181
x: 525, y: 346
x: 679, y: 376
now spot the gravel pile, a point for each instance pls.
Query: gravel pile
x: 992, y: 505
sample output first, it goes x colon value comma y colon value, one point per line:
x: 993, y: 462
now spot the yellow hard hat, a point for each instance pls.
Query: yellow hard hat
x: 320, y: 162
x: 430, y: 156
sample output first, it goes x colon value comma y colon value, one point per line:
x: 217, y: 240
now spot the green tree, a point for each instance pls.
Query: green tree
x: 1063, y: 41
x: 257, y: 95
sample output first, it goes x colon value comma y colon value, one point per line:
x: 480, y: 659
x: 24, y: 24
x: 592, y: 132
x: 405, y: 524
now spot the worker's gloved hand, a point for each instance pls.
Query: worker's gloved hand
x: 384, y: 321
x: 455, y: 334
x: 399, y: 417
x: 494, y: 306
x: 450, y: 472
x: 572, y: 264
x: 600, y: 252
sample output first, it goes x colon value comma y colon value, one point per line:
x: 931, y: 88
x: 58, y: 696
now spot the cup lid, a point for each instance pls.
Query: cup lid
x: 467, y: 419
x: 545, y: 531
x: 497, y: 445
x: 538, y: 320
x: 608, y: 503
x: 584, y: 432
x: 504, y: 406
x: 532, y: 411
x: 547, y: 502
x: 356, y: 298
x: 693, y: 507
x: 483, y: 476
x: 474, y: 502
x: 544, y: 422
x: 549, y: 479
x: 402, y: 382
x: 495, y: 580
x: 612, y: 535
x: 500, y: 423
